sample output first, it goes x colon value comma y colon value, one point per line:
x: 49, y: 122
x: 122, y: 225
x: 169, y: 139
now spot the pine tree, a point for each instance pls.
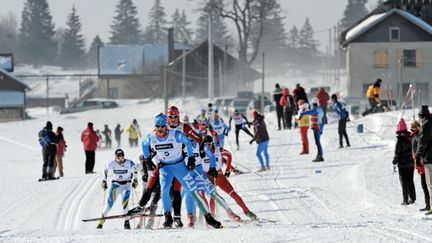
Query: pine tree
x: 8, y: 33
x: 354, y: 11
x: 293, y: 38
x: 125, y: 28
x: 307, y: 44
x: 181, y: 27
x: 36, y: 38
x: 219, y: 27
x: 72, y: 48
x: 93, y: 52
x: 154, y: 32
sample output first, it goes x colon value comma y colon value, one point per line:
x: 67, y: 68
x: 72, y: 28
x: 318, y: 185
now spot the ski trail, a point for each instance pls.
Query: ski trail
x: 11, y: 141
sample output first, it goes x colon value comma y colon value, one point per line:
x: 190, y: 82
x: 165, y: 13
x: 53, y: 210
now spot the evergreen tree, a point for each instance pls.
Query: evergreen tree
x: 307, y: 44
x: 72, y: 48
x: 274, y: 35
x: 155, y: 31
x: 293, y: 38
x: 125, y: 28
x: 93, y: 52
x: 181, y: 27
x: 219, y: 29
x: 36, y: 38
x: 8, y: 33
x: 354, y: 11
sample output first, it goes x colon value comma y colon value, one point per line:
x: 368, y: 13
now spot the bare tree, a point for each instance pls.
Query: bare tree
x: 245, y: 14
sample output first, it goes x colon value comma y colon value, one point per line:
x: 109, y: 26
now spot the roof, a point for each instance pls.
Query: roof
x: 6, y: 62
x: 369, y: 22
x: 13, y: 81
x: 132, y: 59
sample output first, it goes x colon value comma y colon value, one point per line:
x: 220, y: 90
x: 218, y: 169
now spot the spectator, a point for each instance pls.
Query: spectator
x: 117, y: 133
x: 277, y: 95
x: 323, y: 99
x: 415, y: 126
x: 48, y: 141
x: 424, y: 148
x: 299, y: 93
x: 134, y: 133
x: 288, y: 106
x: 61, y: 148
x: 89, y: 138
x: 303, y: 123
x: 343, y: 118
x: 373, y: 94
x: 261, y: 137
x: 107, y: 133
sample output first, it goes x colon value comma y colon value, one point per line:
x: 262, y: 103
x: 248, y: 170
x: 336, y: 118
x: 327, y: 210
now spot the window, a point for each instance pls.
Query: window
x: 394, y: 34
x: 381, y: 58
x: 409, y: 58
x: 90, y: 103
x: 113, y: 93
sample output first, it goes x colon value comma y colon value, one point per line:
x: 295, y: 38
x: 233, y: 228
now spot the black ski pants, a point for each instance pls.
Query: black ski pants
x: 48, y: 155
x: 237, y: 131
x: 406, y: 177
x: 425, y: 189
x: 342, y: 132
x: 288, y: 118
x: 90, y: 161
x: 279, y: 114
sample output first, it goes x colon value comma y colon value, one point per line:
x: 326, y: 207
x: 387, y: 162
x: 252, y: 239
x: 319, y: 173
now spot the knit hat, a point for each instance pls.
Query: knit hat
x: 401, y: 126
x: 48, y: 125
x: 424, y: 111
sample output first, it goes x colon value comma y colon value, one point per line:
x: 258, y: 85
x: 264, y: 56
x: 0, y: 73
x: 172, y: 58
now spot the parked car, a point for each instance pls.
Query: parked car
x: 225, y: 105
x: 89, y: 105
x: 255, y: 104
x: 238, y: 104
x: 248, y: 95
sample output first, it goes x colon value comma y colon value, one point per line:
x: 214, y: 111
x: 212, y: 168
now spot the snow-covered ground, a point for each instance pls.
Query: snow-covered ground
x: 353, y: 196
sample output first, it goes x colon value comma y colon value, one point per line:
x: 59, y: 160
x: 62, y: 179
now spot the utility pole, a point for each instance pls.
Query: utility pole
x: 262, y: 85
x: 210, y: 57
x: 184, y: 71
x: 221, y: 80
x: 47, y: 95
x: 401, y: 63
x: 165, y: 86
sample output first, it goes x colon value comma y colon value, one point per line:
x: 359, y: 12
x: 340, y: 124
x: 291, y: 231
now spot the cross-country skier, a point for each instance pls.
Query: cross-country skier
x: 123, y: 172
x: 168, y: 145
x: 218, y: 125
x: 221, y: 178
x: 343, y: 119
x: 204, y: 185
x: 240, y: 122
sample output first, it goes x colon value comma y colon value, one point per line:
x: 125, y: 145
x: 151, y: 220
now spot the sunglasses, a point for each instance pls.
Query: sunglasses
x: 120, y: 155
x: 158, y: 126
x: 173, y: 117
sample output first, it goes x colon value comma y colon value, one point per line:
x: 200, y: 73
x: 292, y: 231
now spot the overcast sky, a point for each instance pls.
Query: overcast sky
x: 97, y: 15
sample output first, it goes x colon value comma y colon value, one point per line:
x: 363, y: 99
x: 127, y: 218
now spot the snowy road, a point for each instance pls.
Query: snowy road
x: 354, y: 198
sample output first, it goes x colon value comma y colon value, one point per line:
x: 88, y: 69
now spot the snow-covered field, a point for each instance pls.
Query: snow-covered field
x: 355, y: 198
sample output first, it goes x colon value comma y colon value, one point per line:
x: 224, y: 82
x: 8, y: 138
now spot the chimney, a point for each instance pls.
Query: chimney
x: 170, y: 44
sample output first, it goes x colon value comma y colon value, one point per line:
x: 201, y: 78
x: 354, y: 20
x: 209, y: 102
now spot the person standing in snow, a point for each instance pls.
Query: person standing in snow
x: 373, y: 93
x: 299, y: 93
x: 404, y: 160
x: 424, y: 148
x: 288, y: 107
x: 117, y: 134
x: 134, y: 133
x: 90, y: 139
x: 277, y: 95
x: 317, y: 125
x: 61, y: 148
x: 343, y: 118
x: 303, y: 124
x: 415, y: 126
x: 323, y: 99
x: 48, y: 141
x: 262, y: 138
x: 124, y: 175
x: 107, y: 133
x: 240, y: 122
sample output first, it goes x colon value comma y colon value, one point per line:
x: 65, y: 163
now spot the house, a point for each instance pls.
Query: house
x: 196, y: 74
x: 384, y: 45
x: 12, y: 97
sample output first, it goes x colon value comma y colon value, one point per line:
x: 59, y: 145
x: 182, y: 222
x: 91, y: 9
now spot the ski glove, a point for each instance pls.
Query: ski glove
x: 251, y: 141
x: 150, y: 164
x: 145, y: 177
x: 213, y: 172
x: 134, y: 183
x: 191, y: 163
x: 202, y: 153
x: 227, y: 173
x: 104, y: 185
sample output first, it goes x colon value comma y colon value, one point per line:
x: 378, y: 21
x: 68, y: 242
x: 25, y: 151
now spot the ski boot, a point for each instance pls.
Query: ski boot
x: 177, y: 222
x: 233, y: 216
x: 168, y: 220
x: 212, y: 221
x: 136, y: 210
x: 251, y: 215
x: 427, y: 208
x: 99, y: 226
x: 101, y: 222
x: 319, y: 158
x: 191, y: 220
x: 127, y: 225
x: 267, y: 167
x: 428, y: 212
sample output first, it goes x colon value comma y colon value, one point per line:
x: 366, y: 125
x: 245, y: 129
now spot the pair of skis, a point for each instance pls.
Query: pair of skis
x: 123, y: 216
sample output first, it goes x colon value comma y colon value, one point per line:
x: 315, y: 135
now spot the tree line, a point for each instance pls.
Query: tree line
x: 38, y: 42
